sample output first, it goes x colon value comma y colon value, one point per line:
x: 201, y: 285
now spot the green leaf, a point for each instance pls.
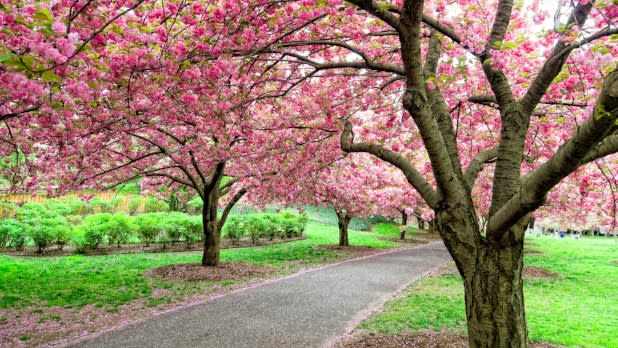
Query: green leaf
x: 6, y: 56
x: 50, y: 76
x: 560, y: 119
x: 508, y: 45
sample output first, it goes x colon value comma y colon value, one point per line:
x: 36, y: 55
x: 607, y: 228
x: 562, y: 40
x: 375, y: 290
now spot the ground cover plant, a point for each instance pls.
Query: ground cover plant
x: 572, y: 309
x: 53, y: 298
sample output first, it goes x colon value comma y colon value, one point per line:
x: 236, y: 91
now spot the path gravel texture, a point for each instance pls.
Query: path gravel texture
x: 311, y: 309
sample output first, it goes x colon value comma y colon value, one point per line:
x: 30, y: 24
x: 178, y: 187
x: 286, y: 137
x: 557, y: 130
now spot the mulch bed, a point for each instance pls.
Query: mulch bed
x: 141, y: 248
x: 397, y: 240
x: 195, y: 272
x: 355, y: 251
x: 532, y: 272
x: 529, y: 272
x: 425, y: 339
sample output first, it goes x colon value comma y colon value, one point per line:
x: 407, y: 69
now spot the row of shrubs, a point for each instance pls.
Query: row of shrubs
x: 73, y: 206
x: 265, y: 225
x: 94, y: 230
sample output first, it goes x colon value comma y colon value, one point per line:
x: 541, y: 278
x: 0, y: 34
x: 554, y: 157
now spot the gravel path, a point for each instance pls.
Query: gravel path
x: 308, y: 310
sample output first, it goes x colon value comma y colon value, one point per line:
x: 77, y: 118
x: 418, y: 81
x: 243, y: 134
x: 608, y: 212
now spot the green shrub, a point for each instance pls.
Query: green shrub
x: 256, y: 227
x: 194, y: 230
x: 62, y: 235
x: 12, y: 233
x: 195, y: 205
x: 234, y: 228
x: 75, y: 219
x: 134, y: 204
x: 152, y: 205
x: 100, y: 206
x: 116, y: 202
x: 42, y: 236
x: 119, y: 229
x: 83, y: 239
x: 95, y: 228
x: 147, y: 228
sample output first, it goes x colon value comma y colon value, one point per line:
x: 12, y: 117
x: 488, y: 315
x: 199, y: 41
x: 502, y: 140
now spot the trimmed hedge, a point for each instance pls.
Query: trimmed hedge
x: 265, y: 225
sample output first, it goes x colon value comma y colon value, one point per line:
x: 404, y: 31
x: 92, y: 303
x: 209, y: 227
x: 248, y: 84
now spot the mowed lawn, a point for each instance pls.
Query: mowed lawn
x: 577, y: 309
x: 113, y: 280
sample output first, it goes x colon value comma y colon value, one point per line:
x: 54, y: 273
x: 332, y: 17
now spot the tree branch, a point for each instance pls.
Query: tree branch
x: 383, y: 14
x: 570, y: 155
x: 476, y: 165
x: 230, y: 205
x: 414, y: 177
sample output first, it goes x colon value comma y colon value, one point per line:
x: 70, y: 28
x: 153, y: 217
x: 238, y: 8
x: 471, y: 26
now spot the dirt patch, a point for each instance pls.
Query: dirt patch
x: 351, y: 251
x: 615, y: 262
x: 397, y: 240
x: 195, y: 272
x: 532, y: 272
x: 141, y: 248
x: 425, y: 338
x: 533, y: 252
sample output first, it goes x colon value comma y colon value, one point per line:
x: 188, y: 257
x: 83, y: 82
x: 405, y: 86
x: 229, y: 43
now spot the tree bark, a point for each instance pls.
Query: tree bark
x: 492, y: 280
x: 495, y: 299
x: 212, y: 236
x: 343, y: 222
x: 404, y: 225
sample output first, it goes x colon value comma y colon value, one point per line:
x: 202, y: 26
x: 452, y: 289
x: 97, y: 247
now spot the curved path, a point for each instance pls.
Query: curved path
x: 308, y: 310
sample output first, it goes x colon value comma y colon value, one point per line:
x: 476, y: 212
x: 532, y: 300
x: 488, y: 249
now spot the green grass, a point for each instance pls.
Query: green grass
x: 112, y: 280
x: 578, y: 309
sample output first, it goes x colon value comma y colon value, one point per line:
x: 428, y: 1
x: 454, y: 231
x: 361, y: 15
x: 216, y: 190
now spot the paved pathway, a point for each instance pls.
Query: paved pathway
x: 308, y: 310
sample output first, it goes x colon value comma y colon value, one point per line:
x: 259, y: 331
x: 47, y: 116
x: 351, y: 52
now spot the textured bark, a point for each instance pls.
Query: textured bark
x: 212, y: 236
x: 495, y: 300
x: 343, y: 222
x: 491, y: 275
x: 404, y: 224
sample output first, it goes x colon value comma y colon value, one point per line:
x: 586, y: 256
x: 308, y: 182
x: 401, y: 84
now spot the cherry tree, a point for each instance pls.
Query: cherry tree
x: 482, y: 89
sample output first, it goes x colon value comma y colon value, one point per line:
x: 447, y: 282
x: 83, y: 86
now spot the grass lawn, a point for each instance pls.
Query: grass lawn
x: 579, y: 308
x: 112, y: 280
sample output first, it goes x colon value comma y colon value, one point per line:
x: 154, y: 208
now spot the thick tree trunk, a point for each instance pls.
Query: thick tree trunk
x: 343, y: 222
x: 491, y: 277
x: 212, y: 237
x: 495, y: 300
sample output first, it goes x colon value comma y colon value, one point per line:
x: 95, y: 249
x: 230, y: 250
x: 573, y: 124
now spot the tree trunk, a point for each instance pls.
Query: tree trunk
x: 404, y: 218
x: 420, y: 221
x: 495, y: 300
x: 343, y: 222
x: 212, y: 237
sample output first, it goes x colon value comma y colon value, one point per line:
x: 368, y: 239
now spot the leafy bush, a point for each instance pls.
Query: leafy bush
x: 147, y: 228
x: 134, y: 204
x: 12, y: 233
x: 234, y: 228
x: 46, y: 230
x: 256, y: 227
x: 95, y: 228
x: 62, y: 235
x: 152, y: 205
x: 195, y: 205
x: 43, y: 236
x: 100, y: 206
x: 119, y: 229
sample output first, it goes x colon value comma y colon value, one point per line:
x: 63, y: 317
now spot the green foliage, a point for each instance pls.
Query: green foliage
x: 134, y: 204
x: 265, y: 225
x: 147, y: 227
x: 93, y: 231
x: 129, y: 187
x: 100, y: 206
x: 195, y: 205
x: 234, y: 228
x: 12, y: 233
x: 119, y: 229
x: 152, y: 205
